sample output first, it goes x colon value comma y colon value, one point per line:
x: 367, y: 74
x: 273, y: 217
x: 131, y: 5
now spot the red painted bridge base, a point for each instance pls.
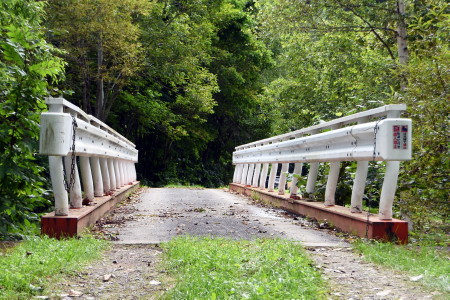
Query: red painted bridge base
x: 78, y: 219
x: 340, y: 217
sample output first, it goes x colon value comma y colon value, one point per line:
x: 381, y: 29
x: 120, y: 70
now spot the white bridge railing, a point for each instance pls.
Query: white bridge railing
x: 374, y: 135
x: 107, y: 159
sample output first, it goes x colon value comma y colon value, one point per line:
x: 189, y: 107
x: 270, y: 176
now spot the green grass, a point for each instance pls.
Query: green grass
x: 178, y: 186
x: 426, y: 260
x: 27, y: 268
x: 217, y: 268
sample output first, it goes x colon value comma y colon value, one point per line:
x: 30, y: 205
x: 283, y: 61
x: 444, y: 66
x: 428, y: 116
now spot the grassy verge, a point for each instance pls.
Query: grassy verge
x: 426, y: 260
x: 31, y: 265
x: 206, y: 268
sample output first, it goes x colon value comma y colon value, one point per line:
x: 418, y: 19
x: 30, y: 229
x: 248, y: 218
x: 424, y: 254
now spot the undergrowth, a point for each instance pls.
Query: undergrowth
x: 27, y: 268
x: 428, y: 262
x: 218, y: 268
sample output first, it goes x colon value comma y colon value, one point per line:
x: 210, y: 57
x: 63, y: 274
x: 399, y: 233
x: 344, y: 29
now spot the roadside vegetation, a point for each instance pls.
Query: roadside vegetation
x: 217, y: 268
x: 426, y: 261
x: 29, y: 267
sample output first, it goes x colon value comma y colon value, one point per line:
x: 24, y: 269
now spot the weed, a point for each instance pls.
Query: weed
x: 31, y: 265
x: 179, y: 186
x: 415, y: 260
x: 207, y: 268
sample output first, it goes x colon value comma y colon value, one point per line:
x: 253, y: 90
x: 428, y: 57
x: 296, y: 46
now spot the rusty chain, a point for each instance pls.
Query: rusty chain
x: 69, y: 185
x: 375, y: 131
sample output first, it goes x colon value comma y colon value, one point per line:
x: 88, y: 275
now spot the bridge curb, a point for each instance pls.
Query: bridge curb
x: 338, y: 216
x: 78, y: 219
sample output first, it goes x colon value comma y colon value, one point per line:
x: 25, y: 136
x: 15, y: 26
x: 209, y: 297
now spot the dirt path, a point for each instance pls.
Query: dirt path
x: 130, y: 269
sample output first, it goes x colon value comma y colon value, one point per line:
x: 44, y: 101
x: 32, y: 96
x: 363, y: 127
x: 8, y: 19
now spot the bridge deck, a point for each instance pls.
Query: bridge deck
x: 162, y: 213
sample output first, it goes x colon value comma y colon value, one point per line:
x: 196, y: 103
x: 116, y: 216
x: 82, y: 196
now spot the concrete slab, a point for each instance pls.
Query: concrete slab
x: 164, y: 213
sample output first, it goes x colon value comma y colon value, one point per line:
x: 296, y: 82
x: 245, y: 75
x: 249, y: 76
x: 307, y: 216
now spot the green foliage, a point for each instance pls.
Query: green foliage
x: 101, y: 40
x: 208, y: 268
x: 425, y: 188
x: 328, y: 63
x: 27, y: 64
x: 196, y: 99
x: 426, y: 260
x: 31, y: 266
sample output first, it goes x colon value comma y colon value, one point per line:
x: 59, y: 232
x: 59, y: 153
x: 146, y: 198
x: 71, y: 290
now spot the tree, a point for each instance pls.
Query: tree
x: 27, y: 67
x: 102, y: 46
x: 329, y: 62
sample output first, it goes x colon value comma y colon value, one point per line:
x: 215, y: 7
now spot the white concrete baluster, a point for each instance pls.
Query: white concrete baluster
x: 117, y: 173
x: 283, y: 176
x: 76, y: 198
x: 332, y: 181
x: 97, y: 177
x: 359, y: 183
x: 251, y: 169
x: 312, y: 175
x: 297, y: 171
x: 235, y: 173
x: 86, y: 177
x: 59, y: 191
x: 105, y: 175
x: 112, y: 174
x: 124, y: 172
x: 244, y: 174
x: 256, y: 175
x: 263, y: 178
x: 273, y: 174
x: 358, y: 186
x: 134, y: 172
x: 312, y: 178
x: 239, y: 169
x: 388, y: 189
x: 121, y: 172
x: 130, y: 180
x: 333, y: 177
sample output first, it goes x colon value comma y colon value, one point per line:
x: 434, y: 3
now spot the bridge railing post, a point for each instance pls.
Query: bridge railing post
x: 333, y: 177
x: 263, y: 178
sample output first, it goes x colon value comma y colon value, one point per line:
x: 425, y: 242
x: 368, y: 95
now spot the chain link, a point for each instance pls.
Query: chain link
x: 69, y: 185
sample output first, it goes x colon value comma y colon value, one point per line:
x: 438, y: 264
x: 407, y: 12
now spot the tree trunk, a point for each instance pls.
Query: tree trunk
x: 100, y: 87
x: 402, y: 46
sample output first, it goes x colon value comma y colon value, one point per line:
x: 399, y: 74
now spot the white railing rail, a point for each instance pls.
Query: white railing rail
x: 375, y: 135
x: 106, y: 158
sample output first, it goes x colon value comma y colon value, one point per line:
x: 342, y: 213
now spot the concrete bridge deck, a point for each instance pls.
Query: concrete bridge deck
x: 159, y: 214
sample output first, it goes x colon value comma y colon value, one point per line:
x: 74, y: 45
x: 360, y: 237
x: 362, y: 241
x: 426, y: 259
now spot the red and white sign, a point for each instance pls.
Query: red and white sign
x: 400, y: 136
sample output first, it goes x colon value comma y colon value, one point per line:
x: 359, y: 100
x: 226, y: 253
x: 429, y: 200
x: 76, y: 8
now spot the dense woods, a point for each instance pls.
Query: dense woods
x: 187, y: 81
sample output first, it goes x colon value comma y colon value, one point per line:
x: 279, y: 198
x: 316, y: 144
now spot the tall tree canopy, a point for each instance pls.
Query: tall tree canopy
x: 102, y: 47
x: 196, y: 97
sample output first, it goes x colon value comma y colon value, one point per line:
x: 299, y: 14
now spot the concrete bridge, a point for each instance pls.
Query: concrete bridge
x: 107, y: 173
